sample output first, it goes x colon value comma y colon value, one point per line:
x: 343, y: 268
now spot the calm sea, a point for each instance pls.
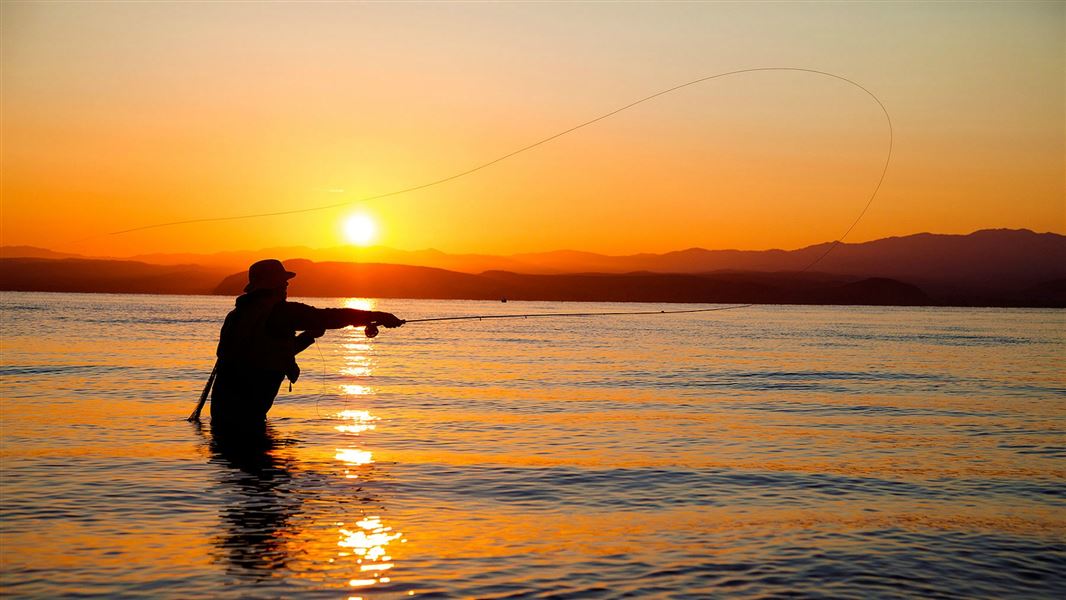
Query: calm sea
x: 767, y: 451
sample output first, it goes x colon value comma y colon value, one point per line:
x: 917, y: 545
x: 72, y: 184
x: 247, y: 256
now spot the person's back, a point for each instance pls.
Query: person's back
x: 258, y: 343
x: 251, y: 362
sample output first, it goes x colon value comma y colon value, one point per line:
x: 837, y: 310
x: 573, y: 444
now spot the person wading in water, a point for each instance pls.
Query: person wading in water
x: 258, y: 344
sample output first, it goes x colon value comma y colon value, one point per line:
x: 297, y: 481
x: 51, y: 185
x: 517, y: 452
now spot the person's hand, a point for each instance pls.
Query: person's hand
x: 388, y: 320
x: 315, y: 333
x: 293, y: 373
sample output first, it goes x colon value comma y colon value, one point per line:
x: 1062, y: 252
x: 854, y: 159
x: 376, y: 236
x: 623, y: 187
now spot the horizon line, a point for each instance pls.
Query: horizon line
x: 355, y: 248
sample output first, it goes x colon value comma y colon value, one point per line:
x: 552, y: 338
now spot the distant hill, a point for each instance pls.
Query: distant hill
x: 106, y: 276
x: 993, y: 261
x: 240, y: 259
x: 402, y: 281
x: 397, y: 281
x: 986, y: 268
x: 374, y: 280
x: 1011, y: 256
x: 32, y: 252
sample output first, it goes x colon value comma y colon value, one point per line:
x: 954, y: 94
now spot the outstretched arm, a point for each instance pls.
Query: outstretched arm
x: 303, y: 317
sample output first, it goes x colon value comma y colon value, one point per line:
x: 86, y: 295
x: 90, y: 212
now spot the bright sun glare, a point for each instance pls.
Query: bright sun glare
x: 360, y: 229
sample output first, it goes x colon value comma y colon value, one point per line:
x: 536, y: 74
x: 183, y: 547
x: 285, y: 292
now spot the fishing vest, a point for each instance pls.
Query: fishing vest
x: 245, y: 341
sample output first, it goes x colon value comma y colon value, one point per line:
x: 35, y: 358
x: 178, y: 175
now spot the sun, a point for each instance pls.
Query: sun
x: 360, y: 229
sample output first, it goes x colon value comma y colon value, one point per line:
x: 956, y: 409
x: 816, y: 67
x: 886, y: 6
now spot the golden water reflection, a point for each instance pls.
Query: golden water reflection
x: 357, y: 390
x: 358, y: 363
x: 363, y: 421
x: 366, y: 540
x: 357, y: 371
x: 359, y: 303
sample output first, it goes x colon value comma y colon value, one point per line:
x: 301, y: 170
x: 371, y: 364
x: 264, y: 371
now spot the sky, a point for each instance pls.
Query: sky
x: 120, y: 115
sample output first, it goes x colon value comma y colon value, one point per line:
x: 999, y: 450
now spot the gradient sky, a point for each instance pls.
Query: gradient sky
x: 117, y: 115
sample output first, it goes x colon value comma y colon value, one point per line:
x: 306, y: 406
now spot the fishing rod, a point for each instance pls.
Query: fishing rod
x: 372, y: 330
x: 579, y: 314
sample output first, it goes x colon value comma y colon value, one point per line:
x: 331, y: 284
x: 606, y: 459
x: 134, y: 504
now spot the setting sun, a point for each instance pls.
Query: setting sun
x: 360, y: 229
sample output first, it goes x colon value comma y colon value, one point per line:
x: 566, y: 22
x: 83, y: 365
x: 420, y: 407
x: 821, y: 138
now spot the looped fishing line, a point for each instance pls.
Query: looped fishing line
x: 422, y: 186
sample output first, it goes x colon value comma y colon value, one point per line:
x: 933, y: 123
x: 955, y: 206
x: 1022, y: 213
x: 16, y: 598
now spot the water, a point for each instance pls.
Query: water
x: 814, y: 451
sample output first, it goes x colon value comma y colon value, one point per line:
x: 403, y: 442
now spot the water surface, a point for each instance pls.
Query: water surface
x: 767, y: 451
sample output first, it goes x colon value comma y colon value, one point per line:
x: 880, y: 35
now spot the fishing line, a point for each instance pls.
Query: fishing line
x: 321, y: 376
x: 477, y: 168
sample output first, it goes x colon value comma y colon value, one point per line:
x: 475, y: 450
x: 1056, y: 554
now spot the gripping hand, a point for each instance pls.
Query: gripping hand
x: 388, y: 320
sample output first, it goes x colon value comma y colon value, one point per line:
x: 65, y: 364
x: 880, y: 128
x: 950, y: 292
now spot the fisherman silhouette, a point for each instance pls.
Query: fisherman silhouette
x: 258, y: 344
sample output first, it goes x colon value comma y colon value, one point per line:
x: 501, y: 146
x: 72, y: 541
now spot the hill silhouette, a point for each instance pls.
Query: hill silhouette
x: 106, y: 276
x: 985, y: 268
x: 397, y: 281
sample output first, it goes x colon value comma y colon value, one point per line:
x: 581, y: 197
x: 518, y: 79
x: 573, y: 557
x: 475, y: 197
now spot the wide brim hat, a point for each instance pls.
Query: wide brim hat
x: 267, y: 275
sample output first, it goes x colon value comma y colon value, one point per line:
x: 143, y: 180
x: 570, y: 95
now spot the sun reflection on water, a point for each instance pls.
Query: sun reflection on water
x: 358, y: 364
x: 357, y: 415
x: 366, y: 540
x: 352, y: 456
x: 357, y: 390
x: 359, y: 303
x: 363, y: 421
x: 356, y: 371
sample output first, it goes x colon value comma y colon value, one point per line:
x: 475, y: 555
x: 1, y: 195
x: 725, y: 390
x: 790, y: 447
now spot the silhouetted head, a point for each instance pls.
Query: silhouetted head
x: 268, y: 274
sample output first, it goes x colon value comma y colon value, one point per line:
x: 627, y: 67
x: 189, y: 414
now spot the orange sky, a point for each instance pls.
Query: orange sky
x: 117, y: 115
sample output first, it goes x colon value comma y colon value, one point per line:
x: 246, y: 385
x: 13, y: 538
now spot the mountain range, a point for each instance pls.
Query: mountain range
x: 987, y: 267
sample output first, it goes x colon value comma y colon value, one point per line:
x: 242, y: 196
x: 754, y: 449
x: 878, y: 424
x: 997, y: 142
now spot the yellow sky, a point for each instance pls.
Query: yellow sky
x: 117, y: 115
